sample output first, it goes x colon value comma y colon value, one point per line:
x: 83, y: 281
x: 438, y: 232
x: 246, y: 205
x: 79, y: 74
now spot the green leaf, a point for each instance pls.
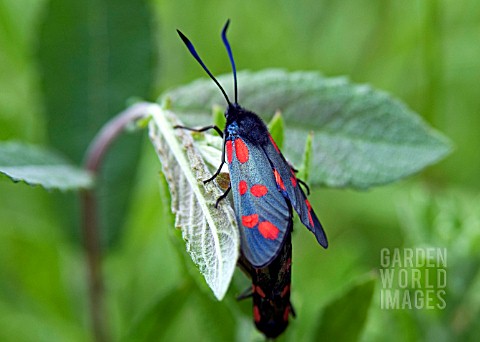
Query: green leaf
x: 210, y: 233
x: 37, y: 166
x: 344, y: 318
x: 276, y: 127
x: 304, y: 171
x: 93, y: 56
x: 363, y: 137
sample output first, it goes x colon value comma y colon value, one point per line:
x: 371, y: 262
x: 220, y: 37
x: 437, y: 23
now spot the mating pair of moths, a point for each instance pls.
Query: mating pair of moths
x: 265, y: 189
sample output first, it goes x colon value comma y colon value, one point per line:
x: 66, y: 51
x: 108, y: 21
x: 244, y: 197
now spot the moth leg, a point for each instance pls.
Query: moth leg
x: 304, y: 185
x: 216, y: 172
x: 292, y: 311
x: 221, y: 164
x: 202, y: 129
x: 299, y: 180
x: 223, y: 196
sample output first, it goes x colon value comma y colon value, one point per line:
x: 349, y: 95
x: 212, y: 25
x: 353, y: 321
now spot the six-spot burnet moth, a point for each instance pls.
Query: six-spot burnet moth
x: 265, y: 189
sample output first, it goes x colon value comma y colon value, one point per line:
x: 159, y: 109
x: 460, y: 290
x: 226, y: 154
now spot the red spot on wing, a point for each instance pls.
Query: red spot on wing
x: 294, y: 181
x: 285, y: 291
x: 241, y: 150
x: 286, y: 313
x: 256, y: 314
x: 250, y: 221
x: 309, y: 206
x: 274, y: 143
x: 229, y: 151
x: 293, y: 178
x: 258, y: 190
x: 310, y: 219
x: 268, y: 230
x: 242, y: 187
x: 278, y: 179
x: 260, y: 292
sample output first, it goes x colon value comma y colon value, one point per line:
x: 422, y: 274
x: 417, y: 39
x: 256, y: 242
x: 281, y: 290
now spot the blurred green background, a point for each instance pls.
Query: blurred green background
x: 67, y: 66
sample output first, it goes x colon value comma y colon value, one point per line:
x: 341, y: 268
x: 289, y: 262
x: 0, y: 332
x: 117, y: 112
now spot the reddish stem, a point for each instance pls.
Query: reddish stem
x: 90, y: 228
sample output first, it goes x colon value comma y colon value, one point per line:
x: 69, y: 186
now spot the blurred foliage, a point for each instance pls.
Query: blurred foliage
x: 424, y: 52
x: 92, y: 57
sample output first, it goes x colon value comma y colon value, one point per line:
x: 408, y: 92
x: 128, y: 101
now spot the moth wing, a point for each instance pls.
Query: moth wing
x: 290, y: 188
x: 263, y: 214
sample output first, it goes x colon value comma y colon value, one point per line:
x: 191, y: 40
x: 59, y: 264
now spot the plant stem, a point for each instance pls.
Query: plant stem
x: 90, y: 225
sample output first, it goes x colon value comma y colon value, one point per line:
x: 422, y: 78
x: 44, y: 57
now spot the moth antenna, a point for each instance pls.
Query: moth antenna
x: 230, y: 55
x: 194, y: 53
